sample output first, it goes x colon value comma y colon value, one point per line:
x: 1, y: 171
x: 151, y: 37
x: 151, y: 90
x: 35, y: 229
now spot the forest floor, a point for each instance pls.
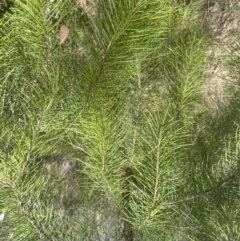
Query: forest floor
x: 223, y: 21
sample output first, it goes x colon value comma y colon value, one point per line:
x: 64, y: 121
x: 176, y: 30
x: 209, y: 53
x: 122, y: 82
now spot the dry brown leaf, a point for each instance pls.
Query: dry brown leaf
x: 64, y: 32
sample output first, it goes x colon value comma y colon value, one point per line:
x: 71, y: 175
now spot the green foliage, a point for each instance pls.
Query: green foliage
x: 108, y: 136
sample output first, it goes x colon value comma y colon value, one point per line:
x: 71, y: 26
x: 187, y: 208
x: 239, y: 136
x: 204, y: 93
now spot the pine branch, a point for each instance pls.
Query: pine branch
x: 207, y: 191
x: 31, y: 220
